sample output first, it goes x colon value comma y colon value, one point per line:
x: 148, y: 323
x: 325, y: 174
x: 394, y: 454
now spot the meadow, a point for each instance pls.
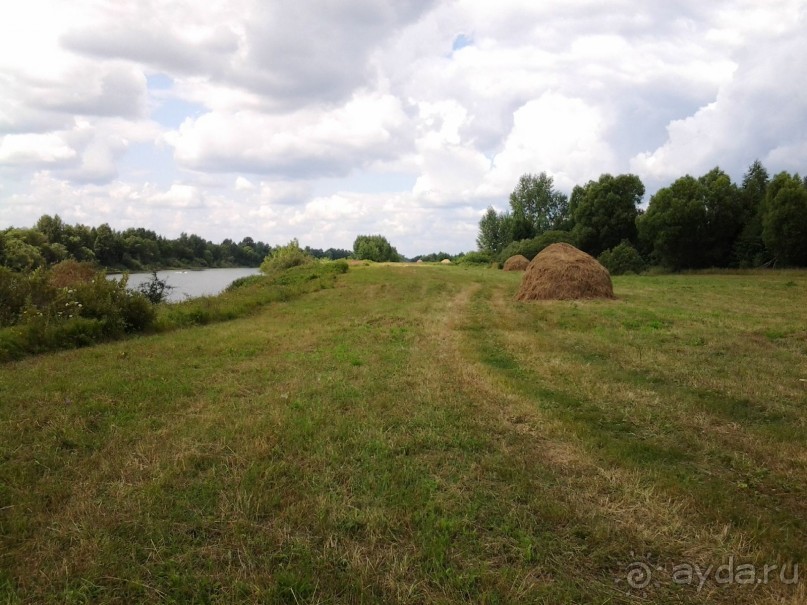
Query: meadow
x: 414, y: 435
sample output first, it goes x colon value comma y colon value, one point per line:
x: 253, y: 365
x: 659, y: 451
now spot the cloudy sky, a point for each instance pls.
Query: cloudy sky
x: 324, y: 119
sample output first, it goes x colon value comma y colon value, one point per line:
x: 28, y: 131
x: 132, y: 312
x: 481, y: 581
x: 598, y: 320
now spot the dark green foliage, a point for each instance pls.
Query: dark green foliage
x: 434, y: 257
x: 605, y: 211
x: 704, y: 222
x: 475, y: 258
x: 622, y: 259
x: 749, y: 249
x: 39, y: 316
x: 329, y: 254
x: 784, y: 220
x: 375, y: 248
x: 724, y: 218
x: 531, y: 247
x: 672, y: 227
x: 133, y: 249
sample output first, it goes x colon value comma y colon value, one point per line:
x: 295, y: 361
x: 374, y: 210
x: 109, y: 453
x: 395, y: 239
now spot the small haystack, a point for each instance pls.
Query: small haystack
x: 419, y: 261
x: 516, y: 263
x: 446, y: 261
x: 562, y: 272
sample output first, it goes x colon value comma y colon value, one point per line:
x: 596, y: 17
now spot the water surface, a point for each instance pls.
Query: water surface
x: 191, y: 284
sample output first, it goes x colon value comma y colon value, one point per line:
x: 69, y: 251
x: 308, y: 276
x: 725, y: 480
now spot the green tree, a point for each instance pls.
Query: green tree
x: 531, y: 247
x: 784, y: 220
x: 749, y: 249
x: 536, y: 206
x: 494, y: 232
x: 18, y: 254
x: 285, y: 257
x: 672, y: 228
x: 375, y: 248
x: 622, y: 259
x: 52, y: 227
x: 107, y: 246
x: 724, y: 218
x: 605, y: 212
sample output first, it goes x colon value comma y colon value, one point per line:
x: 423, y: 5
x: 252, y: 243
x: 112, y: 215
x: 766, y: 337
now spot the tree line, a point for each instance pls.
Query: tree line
x: 52, y: 240
x: 693, y: 223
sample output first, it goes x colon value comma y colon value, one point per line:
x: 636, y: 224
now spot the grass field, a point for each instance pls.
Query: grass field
x: 413, y: 435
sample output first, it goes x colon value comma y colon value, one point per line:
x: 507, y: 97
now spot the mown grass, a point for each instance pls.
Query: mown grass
x: 413, y: 435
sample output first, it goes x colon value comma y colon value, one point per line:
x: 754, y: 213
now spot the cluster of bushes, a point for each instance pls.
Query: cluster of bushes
x: 69, y: 305
x: 73, y: 304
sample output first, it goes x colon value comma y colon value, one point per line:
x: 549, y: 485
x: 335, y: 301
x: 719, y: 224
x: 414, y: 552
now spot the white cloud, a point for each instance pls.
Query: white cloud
x: 243, y: 184
x: 758, y: 114
x: 558, y: 134
x: 36, y: 149
x: 310, y: 142
x: 322, y: 120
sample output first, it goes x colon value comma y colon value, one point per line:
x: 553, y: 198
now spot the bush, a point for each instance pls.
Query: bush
x: 375, y: 248
x: 243, y: 282
x: 71, y: 272
x: 285, y: 257
x: 531, y: 247
x: 155, y: 290
x: 475, y: 258
x: 13, y: 295
x: 623, y: 258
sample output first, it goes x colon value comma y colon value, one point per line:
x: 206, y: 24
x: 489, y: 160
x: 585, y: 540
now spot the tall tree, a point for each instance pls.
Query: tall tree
x: 493, y: 232
x: 536, y: 206
x: 749, y: 249
x: 375, y: 248
x: 605, y: 212
x: 724, y: 217
x: 672, y: 227
x: 784, y: 220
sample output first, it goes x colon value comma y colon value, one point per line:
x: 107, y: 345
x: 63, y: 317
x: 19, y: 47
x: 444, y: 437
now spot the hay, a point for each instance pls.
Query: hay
x: 562, y: 272
x: 419, y: 261
x: 516, y: 263
x: 446, y: 261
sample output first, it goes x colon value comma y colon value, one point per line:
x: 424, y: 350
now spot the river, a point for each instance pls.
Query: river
x: 189, y: 283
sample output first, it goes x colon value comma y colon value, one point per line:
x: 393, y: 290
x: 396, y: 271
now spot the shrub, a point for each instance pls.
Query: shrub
x: 243, y: 282
x: 285, y: 257
x: 531, y: 247
x: 71, y: 272
x: 155, y: 290
x: 623, y: 258
x: 475, y: 258
x: 13, y: 295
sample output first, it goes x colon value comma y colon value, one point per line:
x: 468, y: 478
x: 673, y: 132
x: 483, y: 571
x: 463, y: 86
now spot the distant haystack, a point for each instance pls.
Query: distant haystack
x: 419, y: 261
x: 446, y: 261
x: 562, y: 272
x: 516, y: 263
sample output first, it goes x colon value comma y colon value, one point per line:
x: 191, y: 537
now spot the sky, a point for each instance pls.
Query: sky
x: 322, y: 120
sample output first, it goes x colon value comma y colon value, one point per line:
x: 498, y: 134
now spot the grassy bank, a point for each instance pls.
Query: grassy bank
x: 412, y: 435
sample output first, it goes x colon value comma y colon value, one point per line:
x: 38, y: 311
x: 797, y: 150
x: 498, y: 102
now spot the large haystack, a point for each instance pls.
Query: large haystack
x: 562, y: 272
x: 446, y: 261
x: 516, y: 263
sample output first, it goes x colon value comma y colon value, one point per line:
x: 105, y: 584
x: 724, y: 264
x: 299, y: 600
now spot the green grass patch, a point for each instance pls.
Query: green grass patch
x: 406, y: 434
